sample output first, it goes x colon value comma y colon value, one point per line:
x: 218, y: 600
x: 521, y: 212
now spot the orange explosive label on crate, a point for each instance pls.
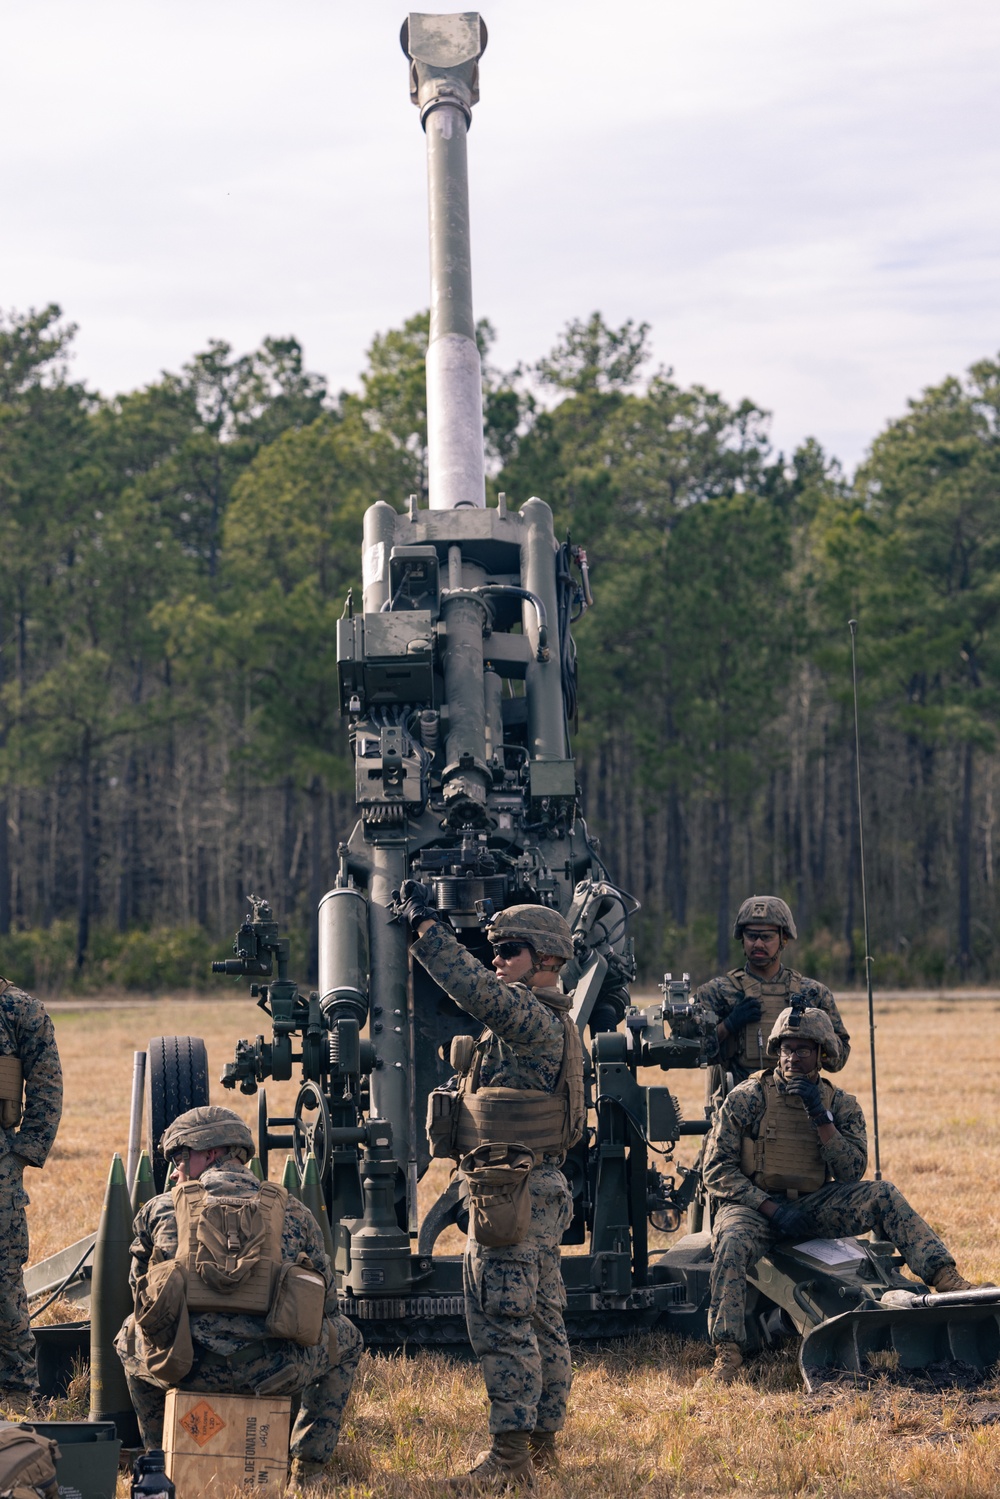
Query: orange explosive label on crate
x: 202, y: 1422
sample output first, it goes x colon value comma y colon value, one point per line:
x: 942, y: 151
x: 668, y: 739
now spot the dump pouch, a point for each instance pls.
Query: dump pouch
x: 161, y: 1313
x: 497, y: 1177
x: 11, y: 1092
x: 299, y: 1303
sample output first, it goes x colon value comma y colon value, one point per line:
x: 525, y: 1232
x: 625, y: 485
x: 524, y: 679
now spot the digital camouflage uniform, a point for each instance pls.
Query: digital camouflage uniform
x: 232, y: 1354
x: 514, y: 1297
x: 25, y: 1032
x: 845, y: 1205
x: 721, y: 994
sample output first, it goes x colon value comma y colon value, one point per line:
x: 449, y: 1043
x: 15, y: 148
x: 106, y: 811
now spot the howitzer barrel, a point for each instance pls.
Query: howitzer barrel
x: 444, y: 54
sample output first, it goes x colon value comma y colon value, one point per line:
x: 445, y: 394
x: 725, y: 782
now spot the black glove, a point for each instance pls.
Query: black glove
x: 790, y: 1221
x: 413, y: 903
x: 811, y: 1096
x: 745, y: 1013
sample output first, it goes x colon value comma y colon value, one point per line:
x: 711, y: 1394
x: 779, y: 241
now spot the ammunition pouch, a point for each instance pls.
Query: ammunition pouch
x: 299, y: 1304
x: 11, y: 1092
x: 497, y: 1177
x: 461, y: 1053
x: 161, y: 1314
x: 442, y: 1103
x: 785, y: 1156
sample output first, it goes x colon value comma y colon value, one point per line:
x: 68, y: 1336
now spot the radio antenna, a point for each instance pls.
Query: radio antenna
x: 852, y: 625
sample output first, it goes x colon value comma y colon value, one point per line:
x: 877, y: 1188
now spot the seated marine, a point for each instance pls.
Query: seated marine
x: 746, y: 1001
x: 212, y: 1311
x: 784, y: 1160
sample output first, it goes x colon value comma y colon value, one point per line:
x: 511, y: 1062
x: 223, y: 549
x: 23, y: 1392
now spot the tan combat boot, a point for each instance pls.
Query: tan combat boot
x: 948, y: 1279
x: 507, y: 1464
x: 728, y: 1363
x: 17, y: 1402
x: 306, y: 1477
x: 542, y: 1445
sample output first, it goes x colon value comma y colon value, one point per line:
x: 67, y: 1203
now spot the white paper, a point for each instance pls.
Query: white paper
x: 373, y: 564
x: 832, y: 1251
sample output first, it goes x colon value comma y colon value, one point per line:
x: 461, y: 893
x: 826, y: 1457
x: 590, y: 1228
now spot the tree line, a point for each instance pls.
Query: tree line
x: 175, y: 560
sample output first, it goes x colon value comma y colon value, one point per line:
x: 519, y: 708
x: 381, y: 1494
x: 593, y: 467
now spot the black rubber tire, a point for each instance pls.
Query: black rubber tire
x: 176, y: 1080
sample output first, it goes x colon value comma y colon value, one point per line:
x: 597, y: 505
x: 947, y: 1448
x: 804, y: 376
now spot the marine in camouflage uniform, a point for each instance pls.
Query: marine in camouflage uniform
x: 25, y: 1033
x: 735, y: 998
x: 232, y: 1353
x: 750, y: 1219
x: 514, y: 1296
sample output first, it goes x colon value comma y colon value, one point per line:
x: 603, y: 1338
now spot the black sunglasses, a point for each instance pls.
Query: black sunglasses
x: 508, y: 950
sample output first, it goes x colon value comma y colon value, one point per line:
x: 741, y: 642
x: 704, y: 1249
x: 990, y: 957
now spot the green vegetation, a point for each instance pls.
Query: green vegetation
x: 175, y: 560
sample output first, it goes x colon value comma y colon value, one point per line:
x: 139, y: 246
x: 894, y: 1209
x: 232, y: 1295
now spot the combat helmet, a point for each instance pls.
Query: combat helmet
x: 208, y: 1128
x: 769, y: 909
x: 547, y: 931
x: 808, y: 1025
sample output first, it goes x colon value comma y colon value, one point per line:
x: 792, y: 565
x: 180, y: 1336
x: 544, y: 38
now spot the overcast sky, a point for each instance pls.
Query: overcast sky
x: 801, y: 196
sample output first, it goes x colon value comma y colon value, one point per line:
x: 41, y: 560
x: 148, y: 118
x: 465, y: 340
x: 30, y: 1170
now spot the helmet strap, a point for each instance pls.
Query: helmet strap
x: 539, y: 967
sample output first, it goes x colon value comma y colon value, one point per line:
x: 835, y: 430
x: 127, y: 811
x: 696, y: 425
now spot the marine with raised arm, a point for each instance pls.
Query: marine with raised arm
x: 518, y: 1106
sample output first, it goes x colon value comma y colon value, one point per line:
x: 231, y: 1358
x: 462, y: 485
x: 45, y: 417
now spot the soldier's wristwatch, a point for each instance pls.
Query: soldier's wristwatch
x: 818, y: 1120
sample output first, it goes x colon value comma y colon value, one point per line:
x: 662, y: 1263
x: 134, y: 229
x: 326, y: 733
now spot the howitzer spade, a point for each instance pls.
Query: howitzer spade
x: 111, y: 1302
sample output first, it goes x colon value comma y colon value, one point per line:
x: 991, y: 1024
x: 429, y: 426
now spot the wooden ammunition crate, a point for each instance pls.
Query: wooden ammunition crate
x: 219, y: 1444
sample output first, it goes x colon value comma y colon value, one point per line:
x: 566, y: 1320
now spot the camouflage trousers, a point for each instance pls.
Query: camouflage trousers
x: 17, y: 1346
x: 742, y: 1234
x: 324, y: 1375
x: 514, y: 1300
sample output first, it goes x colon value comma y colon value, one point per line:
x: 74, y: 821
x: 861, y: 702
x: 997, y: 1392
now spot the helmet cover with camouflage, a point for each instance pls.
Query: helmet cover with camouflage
x: 208, y: 1128
x: 769, y: 910
x: 813, y: 1025
x: 547, y: 931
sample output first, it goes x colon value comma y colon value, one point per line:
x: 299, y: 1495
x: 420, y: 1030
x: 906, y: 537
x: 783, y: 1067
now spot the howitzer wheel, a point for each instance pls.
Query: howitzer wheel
x: 176, y: 1080
x: 311, y: 1129
x: 267, y: 1140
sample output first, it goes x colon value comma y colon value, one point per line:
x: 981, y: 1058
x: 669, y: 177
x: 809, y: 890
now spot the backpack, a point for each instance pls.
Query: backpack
x: 27, y: 1463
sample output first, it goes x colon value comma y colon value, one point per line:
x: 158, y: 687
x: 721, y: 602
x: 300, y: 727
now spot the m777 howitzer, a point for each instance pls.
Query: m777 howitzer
x: 457, y: 676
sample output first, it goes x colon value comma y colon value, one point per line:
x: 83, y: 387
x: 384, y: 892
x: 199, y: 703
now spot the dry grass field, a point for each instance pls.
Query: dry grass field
x: 637, y: 1425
